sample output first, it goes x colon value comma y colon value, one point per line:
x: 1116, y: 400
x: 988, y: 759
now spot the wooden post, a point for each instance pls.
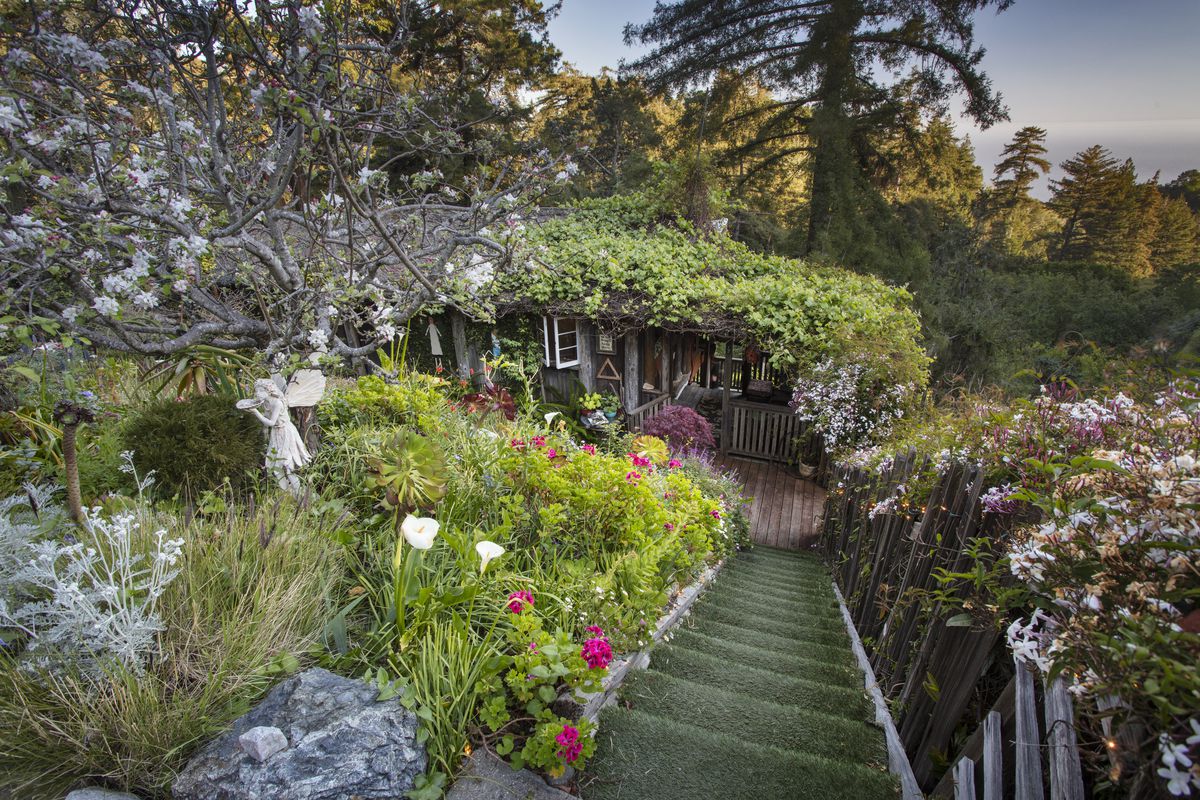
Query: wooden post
x: 726, y: 409
x: 964, y: 779
x: 1066, y: 775
x: 993, y: 757
x: 458, y: 332
x: 1027, y: 749
x: 587, y: 369
x: 632, y: 388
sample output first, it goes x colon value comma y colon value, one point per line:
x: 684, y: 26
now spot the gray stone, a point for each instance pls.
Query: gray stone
x: 343, y: 745
x: 262, y: 742
x: 488, y: 778
x: 94, y: 793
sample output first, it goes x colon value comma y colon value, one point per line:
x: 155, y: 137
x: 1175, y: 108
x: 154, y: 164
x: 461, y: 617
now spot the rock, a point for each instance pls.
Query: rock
x: 262, y: 742
x: 486, y: 777
x: 94, y: 793
x: 342, y: 745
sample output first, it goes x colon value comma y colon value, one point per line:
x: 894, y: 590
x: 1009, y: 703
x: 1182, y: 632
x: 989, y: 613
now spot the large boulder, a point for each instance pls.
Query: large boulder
x: 341, y: 744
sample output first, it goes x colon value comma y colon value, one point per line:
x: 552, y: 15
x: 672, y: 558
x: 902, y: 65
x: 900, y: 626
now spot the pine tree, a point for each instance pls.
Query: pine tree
x: 1177, y: 241
x: 821, y: 57
x: 1021, y: 164
x: 1081, y: 197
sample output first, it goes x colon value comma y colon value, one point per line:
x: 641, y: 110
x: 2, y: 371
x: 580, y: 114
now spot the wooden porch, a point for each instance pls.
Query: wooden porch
x: 786, y: 511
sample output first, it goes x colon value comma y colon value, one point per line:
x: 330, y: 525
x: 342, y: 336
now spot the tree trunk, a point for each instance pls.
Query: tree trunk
x: 71, y: 467
x: 834, y: 169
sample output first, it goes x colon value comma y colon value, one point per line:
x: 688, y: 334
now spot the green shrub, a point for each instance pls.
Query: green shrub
x: 195, y: 445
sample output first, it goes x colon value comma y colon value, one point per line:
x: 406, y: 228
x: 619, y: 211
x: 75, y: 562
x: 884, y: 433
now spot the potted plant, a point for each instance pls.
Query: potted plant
x: 610, y: 405
x: 589, y: 403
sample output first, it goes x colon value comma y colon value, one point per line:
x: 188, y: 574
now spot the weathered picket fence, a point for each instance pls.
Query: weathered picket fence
x: 935, y: 675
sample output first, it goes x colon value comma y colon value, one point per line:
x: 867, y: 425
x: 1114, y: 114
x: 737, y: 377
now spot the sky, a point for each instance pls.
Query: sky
x: 1124, y: 74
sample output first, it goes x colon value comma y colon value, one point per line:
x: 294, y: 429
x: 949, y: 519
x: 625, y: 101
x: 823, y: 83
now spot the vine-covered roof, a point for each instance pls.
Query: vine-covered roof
x: 616, y: 261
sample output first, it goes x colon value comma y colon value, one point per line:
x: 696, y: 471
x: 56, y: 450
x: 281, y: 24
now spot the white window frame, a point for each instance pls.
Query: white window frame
x: 545, y: 340
x: 558, y: 345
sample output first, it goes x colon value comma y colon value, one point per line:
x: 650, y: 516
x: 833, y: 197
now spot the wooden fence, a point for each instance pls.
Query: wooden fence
x: 638, y: 416
x: 769, y: 432
x: 941, y: 678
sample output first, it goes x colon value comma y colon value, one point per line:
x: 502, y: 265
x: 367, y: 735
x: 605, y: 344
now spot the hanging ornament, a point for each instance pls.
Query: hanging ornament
x: 435, y: 339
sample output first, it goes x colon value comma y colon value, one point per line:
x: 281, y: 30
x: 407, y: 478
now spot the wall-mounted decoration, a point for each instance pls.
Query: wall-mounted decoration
x: 604, y: 343
x: 608, y: 372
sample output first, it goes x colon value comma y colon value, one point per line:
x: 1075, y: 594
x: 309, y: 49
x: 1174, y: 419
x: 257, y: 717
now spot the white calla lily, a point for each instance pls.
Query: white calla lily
x: 487, y: 551
x: 420, y: 531
x: 550, y: 417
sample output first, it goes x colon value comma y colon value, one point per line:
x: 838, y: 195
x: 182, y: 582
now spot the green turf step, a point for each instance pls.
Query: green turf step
x: 788, y: 629
x: 754, y: 719
x: 768, y: 591
x: 781, y: 579
x: 646, y: 757
x: 797, y: 594
x: 829, y: 698
x: 807, y: 569
x: 833, y: 654
x: 807, y: 616
x: 745, y: 593
x: 839, y: 671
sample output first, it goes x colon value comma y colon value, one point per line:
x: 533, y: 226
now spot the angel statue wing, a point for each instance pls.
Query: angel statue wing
x: 305, y: 388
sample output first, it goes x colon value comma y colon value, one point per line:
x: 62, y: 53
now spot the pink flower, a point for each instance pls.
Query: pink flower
x: 639, y: 461
x: 533, y: 646
x: 716, y: 514
x: 596, y: 629
x: 668, y: 495
x: 669, y: 526
x: 597, y: 652
x: 674, y: 463
x: 551, y: 453
x: 571, y: 747
x: 633, y: 477
x: 538, y: 441
x: 590, y: 449
x: 517, y: 443
x: 519, y: 601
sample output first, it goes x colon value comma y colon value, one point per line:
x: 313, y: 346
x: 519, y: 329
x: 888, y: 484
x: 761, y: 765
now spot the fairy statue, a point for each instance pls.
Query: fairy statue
x: 286, y: 453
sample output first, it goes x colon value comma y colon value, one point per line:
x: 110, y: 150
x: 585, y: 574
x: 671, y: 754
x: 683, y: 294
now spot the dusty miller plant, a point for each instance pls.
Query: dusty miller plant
x: 89, y: 601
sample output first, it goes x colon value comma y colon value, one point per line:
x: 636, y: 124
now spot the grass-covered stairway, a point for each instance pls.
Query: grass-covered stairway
x: 757, y: 695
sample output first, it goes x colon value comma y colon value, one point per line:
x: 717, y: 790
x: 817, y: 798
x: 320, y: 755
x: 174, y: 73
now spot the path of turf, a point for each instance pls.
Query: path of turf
x: 756, y: 697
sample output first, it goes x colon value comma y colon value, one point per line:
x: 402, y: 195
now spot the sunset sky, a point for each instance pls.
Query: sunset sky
x: 1113, y: 72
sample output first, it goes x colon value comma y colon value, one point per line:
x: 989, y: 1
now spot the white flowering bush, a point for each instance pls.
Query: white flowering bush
x: 86, y: 600
x: 848, y: 405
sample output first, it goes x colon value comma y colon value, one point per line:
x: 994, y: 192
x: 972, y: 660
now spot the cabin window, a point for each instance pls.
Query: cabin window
x: 560, y: 342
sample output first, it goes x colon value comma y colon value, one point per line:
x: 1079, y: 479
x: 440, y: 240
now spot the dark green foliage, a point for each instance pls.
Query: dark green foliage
x: 1022, y: 162
x: 195, y: 445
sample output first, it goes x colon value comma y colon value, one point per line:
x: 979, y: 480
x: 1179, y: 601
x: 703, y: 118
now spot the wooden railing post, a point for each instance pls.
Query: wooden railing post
x: 1066, y: 774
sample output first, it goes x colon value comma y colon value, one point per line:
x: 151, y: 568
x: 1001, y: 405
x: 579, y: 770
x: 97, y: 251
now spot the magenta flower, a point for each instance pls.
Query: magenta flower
x: 533, y: 646
x: 716, y: 514
x: 552, y: 453
x: 538, y: 441
x: 674, y: 463
x: 519, y: 601
x: 596, y: 629
x: 639, y: 461
x: 597, y: 652
x: 590, y: 449
x: 570, y: 746
x: 632, y: 477
x: 517, y: 443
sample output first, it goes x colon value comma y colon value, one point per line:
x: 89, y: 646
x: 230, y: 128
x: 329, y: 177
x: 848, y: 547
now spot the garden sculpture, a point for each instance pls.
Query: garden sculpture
x: 286, y: 452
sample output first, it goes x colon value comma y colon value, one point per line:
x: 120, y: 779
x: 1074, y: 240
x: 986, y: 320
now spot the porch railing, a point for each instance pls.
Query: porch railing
x: 636, y: 418
x: 760, y: 430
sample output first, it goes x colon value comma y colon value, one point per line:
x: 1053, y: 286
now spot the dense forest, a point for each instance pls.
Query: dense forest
x: 1011, y: 289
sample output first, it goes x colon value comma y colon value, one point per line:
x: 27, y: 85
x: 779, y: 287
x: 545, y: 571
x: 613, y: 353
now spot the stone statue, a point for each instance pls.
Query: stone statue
x: 286, y: 452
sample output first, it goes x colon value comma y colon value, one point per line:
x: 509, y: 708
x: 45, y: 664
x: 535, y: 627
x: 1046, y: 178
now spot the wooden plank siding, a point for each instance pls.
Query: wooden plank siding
x: 786, y: 510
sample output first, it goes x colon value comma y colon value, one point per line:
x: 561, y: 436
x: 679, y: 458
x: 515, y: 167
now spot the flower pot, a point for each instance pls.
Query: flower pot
x: 610, y: 415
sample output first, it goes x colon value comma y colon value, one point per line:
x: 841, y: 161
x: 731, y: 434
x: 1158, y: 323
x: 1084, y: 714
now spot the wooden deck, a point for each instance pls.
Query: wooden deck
x: 786, y: 510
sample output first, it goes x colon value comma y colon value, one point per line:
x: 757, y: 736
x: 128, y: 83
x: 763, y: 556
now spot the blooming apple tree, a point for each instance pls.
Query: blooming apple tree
x: 184, y: 172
